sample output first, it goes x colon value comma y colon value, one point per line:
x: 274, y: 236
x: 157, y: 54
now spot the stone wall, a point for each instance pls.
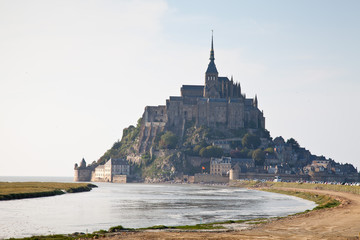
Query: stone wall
x: 119, y: 179
x: 208, y: 178
x: 155, y: 114
x: 271, y: 177
x: 82, y: 175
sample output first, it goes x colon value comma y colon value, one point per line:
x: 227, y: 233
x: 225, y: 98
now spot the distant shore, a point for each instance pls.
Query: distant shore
x: 21, y: 190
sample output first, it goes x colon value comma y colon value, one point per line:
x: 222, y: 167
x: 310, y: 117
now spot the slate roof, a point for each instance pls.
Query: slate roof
x: 217, y: 100
x: 193, y: 87
x: 119, y: 161
x: 172, y: 98
x: 223, y: 79
x: 211, y: 67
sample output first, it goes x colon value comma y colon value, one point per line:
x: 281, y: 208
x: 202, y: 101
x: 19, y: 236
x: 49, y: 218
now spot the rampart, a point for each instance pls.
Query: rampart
x: 210, y: 178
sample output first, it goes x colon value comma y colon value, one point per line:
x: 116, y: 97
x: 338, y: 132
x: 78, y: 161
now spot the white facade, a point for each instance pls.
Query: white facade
x: 220, y: 166
x: 112, y: 168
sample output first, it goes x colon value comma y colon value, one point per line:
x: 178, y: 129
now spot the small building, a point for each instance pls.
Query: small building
x: 82, y: 172
x: 220, y: 166
x: 111, y: 171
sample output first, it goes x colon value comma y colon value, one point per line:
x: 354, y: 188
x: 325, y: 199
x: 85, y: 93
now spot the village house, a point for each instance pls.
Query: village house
x: 220, y: 166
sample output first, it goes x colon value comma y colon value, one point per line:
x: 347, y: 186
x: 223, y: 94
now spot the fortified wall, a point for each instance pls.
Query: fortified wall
x: 210, y: 178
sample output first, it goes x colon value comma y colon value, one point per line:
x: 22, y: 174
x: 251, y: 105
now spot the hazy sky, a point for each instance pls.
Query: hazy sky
x: 74, y: 73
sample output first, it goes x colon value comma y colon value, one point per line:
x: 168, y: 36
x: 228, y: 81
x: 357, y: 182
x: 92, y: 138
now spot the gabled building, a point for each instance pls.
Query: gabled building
x: 114, y: 170
x: 220, y: 166
x: 111, y: 169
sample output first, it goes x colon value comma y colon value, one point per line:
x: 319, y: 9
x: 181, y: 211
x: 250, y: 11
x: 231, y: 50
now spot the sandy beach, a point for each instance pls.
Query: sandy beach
x: 342, y: 222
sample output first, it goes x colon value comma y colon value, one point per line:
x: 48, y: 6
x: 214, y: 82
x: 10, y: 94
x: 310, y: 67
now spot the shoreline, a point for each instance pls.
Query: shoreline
x: 22, y: 190
x: 328, y: 223
x: 331, y: 222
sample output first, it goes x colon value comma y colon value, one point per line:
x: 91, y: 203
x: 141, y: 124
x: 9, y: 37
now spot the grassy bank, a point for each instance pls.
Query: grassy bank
x: 20, y: 190
x: 316, y: 186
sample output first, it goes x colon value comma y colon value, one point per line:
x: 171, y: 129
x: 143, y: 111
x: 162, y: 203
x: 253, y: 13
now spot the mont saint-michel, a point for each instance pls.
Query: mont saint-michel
x: 210, y: 133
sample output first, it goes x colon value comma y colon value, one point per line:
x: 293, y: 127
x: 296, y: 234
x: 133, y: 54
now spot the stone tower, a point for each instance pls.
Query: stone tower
x: 211, y: 89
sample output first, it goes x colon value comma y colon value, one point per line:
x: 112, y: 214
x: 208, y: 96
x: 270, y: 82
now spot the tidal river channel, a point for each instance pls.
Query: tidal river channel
x: 140, y: 205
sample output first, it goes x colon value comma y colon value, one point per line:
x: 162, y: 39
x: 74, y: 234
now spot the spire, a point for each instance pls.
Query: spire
x: 255, y: 101
x: 212, y: 67
x: 212, y: 55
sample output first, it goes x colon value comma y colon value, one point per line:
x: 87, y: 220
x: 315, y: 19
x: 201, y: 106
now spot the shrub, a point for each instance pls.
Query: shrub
x: 259, y: 156
x: 251, y: 141
x: 169, y: 140
x: 211, y: 151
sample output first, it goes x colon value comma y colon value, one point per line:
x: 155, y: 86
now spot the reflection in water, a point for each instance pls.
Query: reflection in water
x: 140, y: 205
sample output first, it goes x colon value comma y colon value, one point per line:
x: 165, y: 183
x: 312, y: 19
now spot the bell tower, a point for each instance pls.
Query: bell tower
x: 211, y: 89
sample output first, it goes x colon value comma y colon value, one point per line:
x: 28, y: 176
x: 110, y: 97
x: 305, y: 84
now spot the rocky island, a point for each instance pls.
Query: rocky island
x: 210, y: 133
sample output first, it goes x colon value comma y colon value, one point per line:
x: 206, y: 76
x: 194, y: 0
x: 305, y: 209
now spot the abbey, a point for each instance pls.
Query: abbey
x: 217, y: 103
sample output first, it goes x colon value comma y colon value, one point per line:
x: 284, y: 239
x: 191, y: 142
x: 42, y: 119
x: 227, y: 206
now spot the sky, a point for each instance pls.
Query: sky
x: 75, y: 73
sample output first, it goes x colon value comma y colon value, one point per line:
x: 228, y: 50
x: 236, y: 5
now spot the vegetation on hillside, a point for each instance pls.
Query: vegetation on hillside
x: 121, y: 148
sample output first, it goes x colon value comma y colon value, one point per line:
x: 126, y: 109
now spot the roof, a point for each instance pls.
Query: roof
x: 234, y: 100
x: 119, y: 161
x: 193, y: 87
x: 175, y: 98
x: 217, y: 100
x: 248, y: 101
x: 211, y: 67
x: 242, y: 160
x: 224, y: 79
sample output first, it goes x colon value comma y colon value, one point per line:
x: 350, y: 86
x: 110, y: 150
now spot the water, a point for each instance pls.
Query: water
x: 139, y: 205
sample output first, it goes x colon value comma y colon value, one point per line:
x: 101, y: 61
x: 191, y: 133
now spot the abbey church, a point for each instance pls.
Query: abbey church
x: 217, y: 103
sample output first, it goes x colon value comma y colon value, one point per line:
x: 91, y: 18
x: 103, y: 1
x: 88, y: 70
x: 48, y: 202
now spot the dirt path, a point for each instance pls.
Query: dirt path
x: 342, y: 222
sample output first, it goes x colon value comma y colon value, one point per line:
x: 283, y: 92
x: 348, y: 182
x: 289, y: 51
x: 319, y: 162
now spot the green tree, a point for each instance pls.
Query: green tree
x: 269, y: 150
x: 211, y: 151
x: 293, y: 143
x: 198, y: 147
x: 251, y: 141
x: 116, y: 145
x: 169, y: 140
x: 259, y: 157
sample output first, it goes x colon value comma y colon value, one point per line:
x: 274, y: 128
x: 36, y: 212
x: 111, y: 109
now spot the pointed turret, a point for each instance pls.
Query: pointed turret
x: 255, y: 101
x: 212, y: 54
x: 212, y: 67
x: 212, y: 85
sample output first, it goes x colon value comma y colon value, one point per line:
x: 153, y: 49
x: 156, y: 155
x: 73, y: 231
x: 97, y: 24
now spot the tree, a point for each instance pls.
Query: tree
x: 116, y: 145
x: 251, y: 141
x: 198, y: 147
x: 269, y: 150
x: 211, y: 151
x: 259, y: 157
x: 169, y: 140
x: 293, y: 143
x: 243, y: 153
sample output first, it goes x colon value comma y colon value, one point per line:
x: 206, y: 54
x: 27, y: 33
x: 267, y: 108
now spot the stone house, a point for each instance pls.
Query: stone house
x: 112, y: 168
x: 220, y: 166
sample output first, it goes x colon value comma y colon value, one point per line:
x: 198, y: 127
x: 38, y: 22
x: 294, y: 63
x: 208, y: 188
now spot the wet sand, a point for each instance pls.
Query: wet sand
x: 342, y: 222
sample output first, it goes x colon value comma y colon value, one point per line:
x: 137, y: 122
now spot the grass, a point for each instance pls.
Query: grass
x: 323, y: 201
x: 20, y: 190
x: 317, y: 186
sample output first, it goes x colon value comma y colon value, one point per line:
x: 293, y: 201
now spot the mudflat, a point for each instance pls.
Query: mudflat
x: 342, y: 222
